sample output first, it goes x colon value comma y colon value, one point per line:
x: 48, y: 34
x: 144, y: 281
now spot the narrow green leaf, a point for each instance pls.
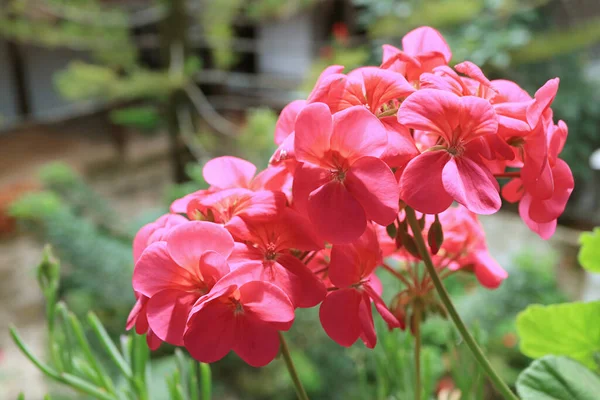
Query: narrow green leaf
x: 558, y: 378
x: 391, y: 230
x: 109, y: 345
x: 85, y: 387
x: 104, y: 379
x: 193, y: 380
x: 206, y: 381
x: 46, y: 369
x: 570, y: 329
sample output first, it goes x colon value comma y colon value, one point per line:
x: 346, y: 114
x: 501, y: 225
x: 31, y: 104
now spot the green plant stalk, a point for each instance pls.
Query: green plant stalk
x: 417, y: 333
x: 445, y: 297
x: 289, y: 363
x: 206, y: 381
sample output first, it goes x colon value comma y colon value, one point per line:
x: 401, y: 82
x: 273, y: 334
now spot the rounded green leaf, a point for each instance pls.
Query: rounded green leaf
x: 570, y: 329
x: 558, y: 378
x: 589, y: 253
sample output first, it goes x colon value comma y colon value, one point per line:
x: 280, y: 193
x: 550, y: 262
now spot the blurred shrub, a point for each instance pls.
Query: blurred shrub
x: 143, y: 118
x: 255, y: 142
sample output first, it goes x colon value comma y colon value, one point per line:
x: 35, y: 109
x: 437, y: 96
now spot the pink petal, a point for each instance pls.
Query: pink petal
x: 510, y: 91
x: 372, y: 183
x: 313, y: 131
x: 336, y: 214
x: 228, y: 172
x: 426, y: 40
x: 307, y: 178
x: 274, y: 178
x: 431, y: 110
x: 382, y: 86
x: 211, y: 331
x: 472, y: 71
x: 168, y: 312
x: 179, y: 206
x: 302, y: 237
x: 153, y: 341
x: 187, y: 242
x: 212, y: 267
x: 488, y: 272
x: 154, y: 231
x: 267, y: 303
x: 543, y: 99
x: 544, y: 211
x: 262, y: 205
x: 367, y: 326
x: 345, y: 267
x: 330, y: 70
x: 358, y: 133
x: 513, y: 190
x: 545, y: 230
x: 156, y: 271
x: 401, y: 146
x: 421, y: 185
x: 339, y: 316
x: 472, y: 185
x: 135, y: 312
x: 305, y: 289
x: 477, y: 118
x: 287, y: 120
x: 256, y: 342
x: 380, y: 306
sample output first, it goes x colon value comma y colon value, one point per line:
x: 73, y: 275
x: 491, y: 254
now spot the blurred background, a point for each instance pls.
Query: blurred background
x: 109, y: 108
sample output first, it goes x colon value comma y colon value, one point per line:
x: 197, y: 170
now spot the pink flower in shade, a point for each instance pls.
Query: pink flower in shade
x: 148, y: 234
x: 453, y: 169
x: 346, y: 313
x: 342, y: 183
x: 540, y: 214
x: 464, y: 247
x: 239, y: 316
x: 265, y: 253
x: 173, y: 274
x: 424, y: 49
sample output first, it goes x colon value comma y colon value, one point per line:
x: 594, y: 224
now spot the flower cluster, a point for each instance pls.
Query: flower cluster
x: 226, y: 269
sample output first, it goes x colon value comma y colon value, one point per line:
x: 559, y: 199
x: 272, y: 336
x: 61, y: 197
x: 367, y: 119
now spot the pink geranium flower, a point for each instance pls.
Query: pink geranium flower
x: 453, y: 168
x: 239, y: 316
x: 424, y: 49
x: 342, y: 183
x: 265, y: 253
x: 346, y: 312
x: 176, y: 272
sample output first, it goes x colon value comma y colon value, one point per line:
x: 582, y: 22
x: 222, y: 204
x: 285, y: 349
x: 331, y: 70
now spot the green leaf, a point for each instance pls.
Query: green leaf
x: 589, y: 253
x: 558, y: 378
x: 570, y: 329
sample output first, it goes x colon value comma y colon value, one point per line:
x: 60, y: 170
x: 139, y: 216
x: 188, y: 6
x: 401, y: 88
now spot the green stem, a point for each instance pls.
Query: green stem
x: 460, y: 325
x: 417, y: 333
x: 205, y: 381
x: 289, y: 363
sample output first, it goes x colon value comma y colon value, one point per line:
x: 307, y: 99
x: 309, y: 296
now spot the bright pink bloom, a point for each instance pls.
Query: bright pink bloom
x: 243, y: 317
x: 346, y: 313
x: 424, y: 49
x: 148, y: 234
x: 154, y: 232
x: 231, y: 172
x: 342, y: 183
x: 287, y: 119
x: 371, y: 87
x: 453, y: 169
x: 265, y: 254
x: 176, y: 272
x: 230, y: 205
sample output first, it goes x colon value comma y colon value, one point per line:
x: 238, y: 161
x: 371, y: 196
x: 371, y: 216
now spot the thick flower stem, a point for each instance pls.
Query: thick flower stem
x: 460, y: 325
x: 289, y: 363
x: 417, y: 334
